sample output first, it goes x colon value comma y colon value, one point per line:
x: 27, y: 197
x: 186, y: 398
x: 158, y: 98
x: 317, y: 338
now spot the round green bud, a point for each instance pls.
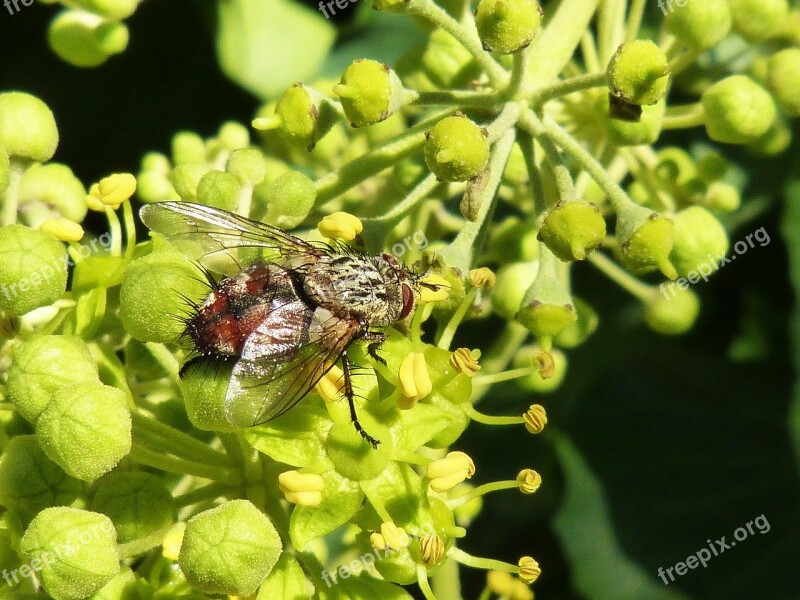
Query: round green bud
x: 85, y: 429
x: 645, y: 240
x: 31, y: 482
x: 584, y: 326
x: 700, y: 241
x: 545, y: 318
x: 233, y: 135
x: 43, y: 365
x: 644, y: 131
x: 75, y: 551
x: 392, y: 6
x: 229, y: 549
x: 137, y: 503
x: 370, y: 92
x: 51, y: 191
x: 673, y: 309
x: 456, y: 149
x: 737, y: 110
x: 639, y: 73
x: 506, y: 26
x: 150, y: 298
x: 290, y: 198
x: 535, y: 382
x: 186, y: 177
x: 722, y: 197
x: 783, y: 80
x: 204, y: 393
x: 247, y: 165
x: 85, y: 43
x: 27, y: 127
x: 188, y: 147
x: 700, y: 25
x: 758, y: 20
x: 115, y: 10
x: 445, y: 62
x: 32, y: 269
x: 712, y: 166
x: 155, y: 186
x: 775, y: 141
x: 513, y: 280
x: 219, y: 189
x: 303, y: 116
x: 156, y: 161
x: 573, y: 229
x: 5, y: 170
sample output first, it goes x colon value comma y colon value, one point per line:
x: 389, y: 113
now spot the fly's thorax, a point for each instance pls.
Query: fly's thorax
x: 367, y: 288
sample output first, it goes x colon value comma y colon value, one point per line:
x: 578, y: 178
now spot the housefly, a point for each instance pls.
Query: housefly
x: 287, y: 318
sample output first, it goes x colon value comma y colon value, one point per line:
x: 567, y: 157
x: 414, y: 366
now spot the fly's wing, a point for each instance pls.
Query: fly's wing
x: 214, y: 236
x: 268, y: 379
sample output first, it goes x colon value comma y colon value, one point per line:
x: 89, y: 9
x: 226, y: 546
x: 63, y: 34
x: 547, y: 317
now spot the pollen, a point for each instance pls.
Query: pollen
x: 331, y: 386
x: 414, y: 380
x: 114, y: 189
x: 482, y: 278
x: 529, y: 481
x: 431, y: 549
x: 303, y: 489
x: 441, y: 292
x: 341, y: 226
x: 448, y: 472
x: 465, y: 361
x: 63, y: 229
x: 535, y: 418
x: 395, y: 537
x: 529, y: 570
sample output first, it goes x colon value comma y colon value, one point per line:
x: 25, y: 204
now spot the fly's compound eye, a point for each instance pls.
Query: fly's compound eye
x: 390, y: 259
x: 408, y: 301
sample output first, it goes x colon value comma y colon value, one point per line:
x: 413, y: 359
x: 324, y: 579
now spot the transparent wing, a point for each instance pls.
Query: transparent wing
x: 267, y: 381
x: 214, y: 236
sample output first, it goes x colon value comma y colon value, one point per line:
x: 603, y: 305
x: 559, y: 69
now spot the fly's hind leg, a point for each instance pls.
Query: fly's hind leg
x: 348, y: 391
x: 375, y: 339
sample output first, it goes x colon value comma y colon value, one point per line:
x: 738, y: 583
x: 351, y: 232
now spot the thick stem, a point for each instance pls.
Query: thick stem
x: 568, y: 86
x: 684, y: 116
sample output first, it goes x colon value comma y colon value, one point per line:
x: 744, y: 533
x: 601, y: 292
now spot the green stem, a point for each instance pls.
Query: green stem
x: 479, y: 417
x: 460, y: 253
x: 424, y: 585
x: 489, y: 564
x: 179, y: 441
x: 458, y: 98
x: 446, y: 583
x: 166, y: 359
x: 130, y: 229
x: 624, y: 279
x: 479, y: 491
x: 377, y: 504
x: 589, y: 51
x: 450, y: 329
x: 9, y: 199
x: 468, y: 37
x: 519, y: 75
x: 504, y: 376
x: 528, y: 147
x: 414, y: 197
x: 684, y: 116
x: 201, y: 494
x: 568, y: 86
x: 563, y: 178
x: 635, y: 14
x: 115, y: 229
x: 684, y: 60
x: 375, y: 161
x: 611, y: 23
x: 171, y: 464
x: 504, y: 121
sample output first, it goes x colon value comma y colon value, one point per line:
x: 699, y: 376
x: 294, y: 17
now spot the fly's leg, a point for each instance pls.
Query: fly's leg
x: 348, y: 391
x: 375, y: 339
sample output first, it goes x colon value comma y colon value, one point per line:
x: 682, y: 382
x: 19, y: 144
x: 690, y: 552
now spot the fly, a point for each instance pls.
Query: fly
x: 288, y: 317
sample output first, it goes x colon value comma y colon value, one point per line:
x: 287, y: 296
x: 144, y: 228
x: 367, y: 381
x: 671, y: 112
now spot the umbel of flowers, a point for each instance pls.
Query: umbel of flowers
x: 548, y: 118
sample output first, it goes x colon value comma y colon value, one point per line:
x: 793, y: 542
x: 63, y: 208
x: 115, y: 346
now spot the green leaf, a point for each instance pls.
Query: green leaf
x: 266, y: 45
x: 586, y: 530
x: 286, y: 580
x: 88, y: 313
x: 416, y: 427
x: 341, y: 499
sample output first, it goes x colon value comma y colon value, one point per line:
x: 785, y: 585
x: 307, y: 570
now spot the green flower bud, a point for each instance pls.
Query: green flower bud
x: 85, y: 41
x: 701, y: 25
x: 700, y: 241
x: 43, y: 365
x: 392, y: 6
x: 302, y: 116
x: 188, y: 147
x: 85, y: 429
x: 115, y: 10
x: 51, y: 191
x: 737, y: 110
x: 290, y: 198
x: 31, y: 482
x: 150, y: 298
x: 645, y: 240
x: 72, y: 551
x: 783, y: 80
x: 635, y: 133
x: 572, y: 229
x: 33, y: 272
x: 672, y: 310
x: 233, y: 135
x: 775, y: 141
x: 446, y: 62
x: 186, y: 177
x: 219, y: 189
x: 27, y: 127
x: 370, y: 92
x: 758, y: 20
x: 137, y: 503
x: 537, y: 382
x: 204, y: 392
x: 712, y: 167
x: 638, y: 73
x: 229, y: 549
x: 456, y: 149
x: 513, y: 280
x: 154, y: 186
x: 247, y: 165
x: 5, y: 170
x: 506, y: 26
x: 722, y: 197
x: 547, y: 307
x: 585, y: 325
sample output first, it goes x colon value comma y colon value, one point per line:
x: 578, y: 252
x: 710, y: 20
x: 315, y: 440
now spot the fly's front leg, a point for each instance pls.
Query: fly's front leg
x: 348, y: 391
x: 375, y: 339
